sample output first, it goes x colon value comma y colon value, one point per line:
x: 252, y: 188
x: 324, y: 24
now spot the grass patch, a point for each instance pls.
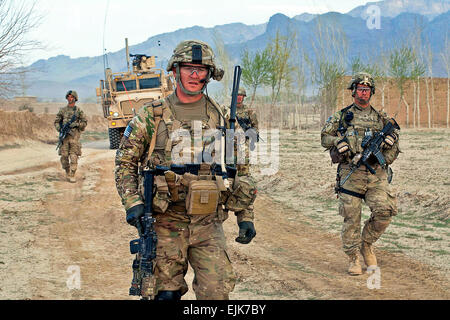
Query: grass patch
x: 93, y: 135
x: 412, y: 235
x: 440, y: 224
x: 9, y: 146
x: 400, y: 246
x: 440, y: 252
x: 401, y: 224
x: 9, y: 212
x: 392, y: 249
x: 431, y: 238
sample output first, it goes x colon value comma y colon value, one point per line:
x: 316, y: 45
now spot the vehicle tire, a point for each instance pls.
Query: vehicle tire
x: 114, y: 138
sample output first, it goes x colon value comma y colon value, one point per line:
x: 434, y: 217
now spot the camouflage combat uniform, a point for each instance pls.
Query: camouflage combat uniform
x: 182, y: 238
x: 245, y: 178
x: 70, y: 149
x: 375, y: 189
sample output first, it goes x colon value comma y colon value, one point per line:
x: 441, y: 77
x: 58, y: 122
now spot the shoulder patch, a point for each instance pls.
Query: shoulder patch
x: 128, y: 130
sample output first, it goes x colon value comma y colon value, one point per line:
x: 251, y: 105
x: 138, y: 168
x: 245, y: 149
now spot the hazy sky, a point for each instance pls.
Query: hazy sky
x: 76, y: 28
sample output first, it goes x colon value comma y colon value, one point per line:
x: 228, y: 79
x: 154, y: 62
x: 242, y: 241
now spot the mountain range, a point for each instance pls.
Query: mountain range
x: 49, y: 79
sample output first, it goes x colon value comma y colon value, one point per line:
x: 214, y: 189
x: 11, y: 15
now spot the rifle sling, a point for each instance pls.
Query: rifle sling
x: 351, y: 193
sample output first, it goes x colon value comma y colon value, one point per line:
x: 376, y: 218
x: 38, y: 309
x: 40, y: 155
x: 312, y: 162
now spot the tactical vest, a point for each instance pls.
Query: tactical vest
x: 357, y: 127
x: 163, y: 110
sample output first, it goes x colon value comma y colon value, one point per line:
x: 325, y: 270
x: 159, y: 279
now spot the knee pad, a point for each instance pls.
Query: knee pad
x: 168, y: 296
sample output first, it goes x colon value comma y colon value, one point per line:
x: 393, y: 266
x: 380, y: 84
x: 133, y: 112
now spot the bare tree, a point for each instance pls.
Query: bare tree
x: 300, y: 80
x: 414, y: 38
x: 401, y: 68
x: 225, y: 61
x: 328, y: 66
x: 17, y: 19
x: 429, y: 61
x: 445, y: 56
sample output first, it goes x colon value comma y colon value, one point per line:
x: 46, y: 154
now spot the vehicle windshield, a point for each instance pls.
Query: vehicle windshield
x: 149, y: 83
x: 129, y: 85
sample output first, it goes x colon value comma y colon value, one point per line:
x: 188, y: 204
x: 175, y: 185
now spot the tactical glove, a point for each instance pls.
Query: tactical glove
x: 342, y: 146
x: 74, y: 125
x: 134, y: 214
x: 246, y: 232
x: 390, y: 139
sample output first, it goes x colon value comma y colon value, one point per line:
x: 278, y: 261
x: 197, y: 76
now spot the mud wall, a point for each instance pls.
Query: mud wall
x: 17, y: 126
x: 431, y: 106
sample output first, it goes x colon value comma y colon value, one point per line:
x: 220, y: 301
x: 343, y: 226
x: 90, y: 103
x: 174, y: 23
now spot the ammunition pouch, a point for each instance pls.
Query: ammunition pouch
x: 201, y: 191
x: 242, y: 196
x: 202, y: 198
x: 161, y: 199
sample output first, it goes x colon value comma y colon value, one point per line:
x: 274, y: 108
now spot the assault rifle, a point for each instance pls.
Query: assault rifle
x: 64, y: 131
x: 232, y: 120
x: 245, y: 124
x: 372, y: 145
x: 143, y: 283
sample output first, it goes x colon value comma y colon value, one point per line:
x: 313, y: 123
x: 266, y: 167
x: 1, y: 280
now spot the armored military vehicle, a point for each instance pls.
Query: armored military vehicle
x: 123, y: 93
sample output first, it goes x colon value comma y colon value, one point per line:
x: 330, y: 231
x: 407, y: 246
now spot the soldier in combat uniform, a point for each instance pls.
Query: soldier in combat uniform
x: 356, y: 121
x: 248, y: 117
x: 70, y: 149
x: 184, y: 235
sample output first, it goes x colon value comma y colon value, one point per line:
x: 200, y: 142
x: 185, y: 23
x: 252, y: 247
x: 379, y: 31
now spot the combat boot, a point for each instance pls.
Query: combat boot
x: 72, y: 177
x: 368, y: 255
x: 354, y: 267
x: 68, y: 174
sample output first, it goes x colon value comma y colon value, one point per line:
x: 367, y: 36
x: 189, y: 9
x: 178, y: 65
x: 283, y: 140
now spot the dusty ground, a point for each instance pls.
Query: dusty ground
x: 48, y: 225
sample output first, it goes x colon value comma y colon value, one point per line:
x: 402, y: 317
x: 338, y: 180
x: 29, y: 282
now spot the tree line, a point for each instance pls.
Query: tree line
x: 282, y: 71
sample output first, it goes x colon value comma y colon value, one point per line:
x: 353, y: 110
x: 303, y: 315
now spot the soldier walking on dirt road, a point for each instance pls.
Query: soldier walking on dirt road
x: 343, y: 134
x: 246, y: 120
x: 189, y: 228
x: 74, y: 120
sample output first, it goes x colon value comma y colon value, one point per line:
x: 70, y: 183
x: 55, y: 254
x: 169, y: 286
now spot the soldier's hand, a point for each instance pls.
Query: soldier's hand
x: 134, y: 214
x: 246, y: 232
x: 74, y: 125
x: 342, y: 146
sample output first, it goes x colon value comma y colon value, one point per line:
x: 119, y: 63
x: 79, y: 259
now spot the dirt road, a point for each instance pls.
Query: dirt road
x: 51, y: 228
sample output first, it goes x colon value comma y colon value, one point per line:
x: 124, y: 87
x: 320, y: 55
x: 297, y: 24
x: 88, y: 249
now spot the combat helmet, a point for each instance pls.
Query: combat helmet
x: 361, y: 78
x: 73, y: 93
x: 242, y: 92
x: 196, y: 52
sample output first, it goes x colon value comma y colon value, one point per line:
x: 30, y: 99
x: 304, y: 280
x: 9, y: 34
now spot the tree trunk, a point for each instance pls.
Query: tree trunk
x: 418, y: 102
x: 414, y: 105
x: 433, y: 120
x: 428, y: 102
x: 448, y: 99
x: 407, y: 111
x: 253, y: 96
